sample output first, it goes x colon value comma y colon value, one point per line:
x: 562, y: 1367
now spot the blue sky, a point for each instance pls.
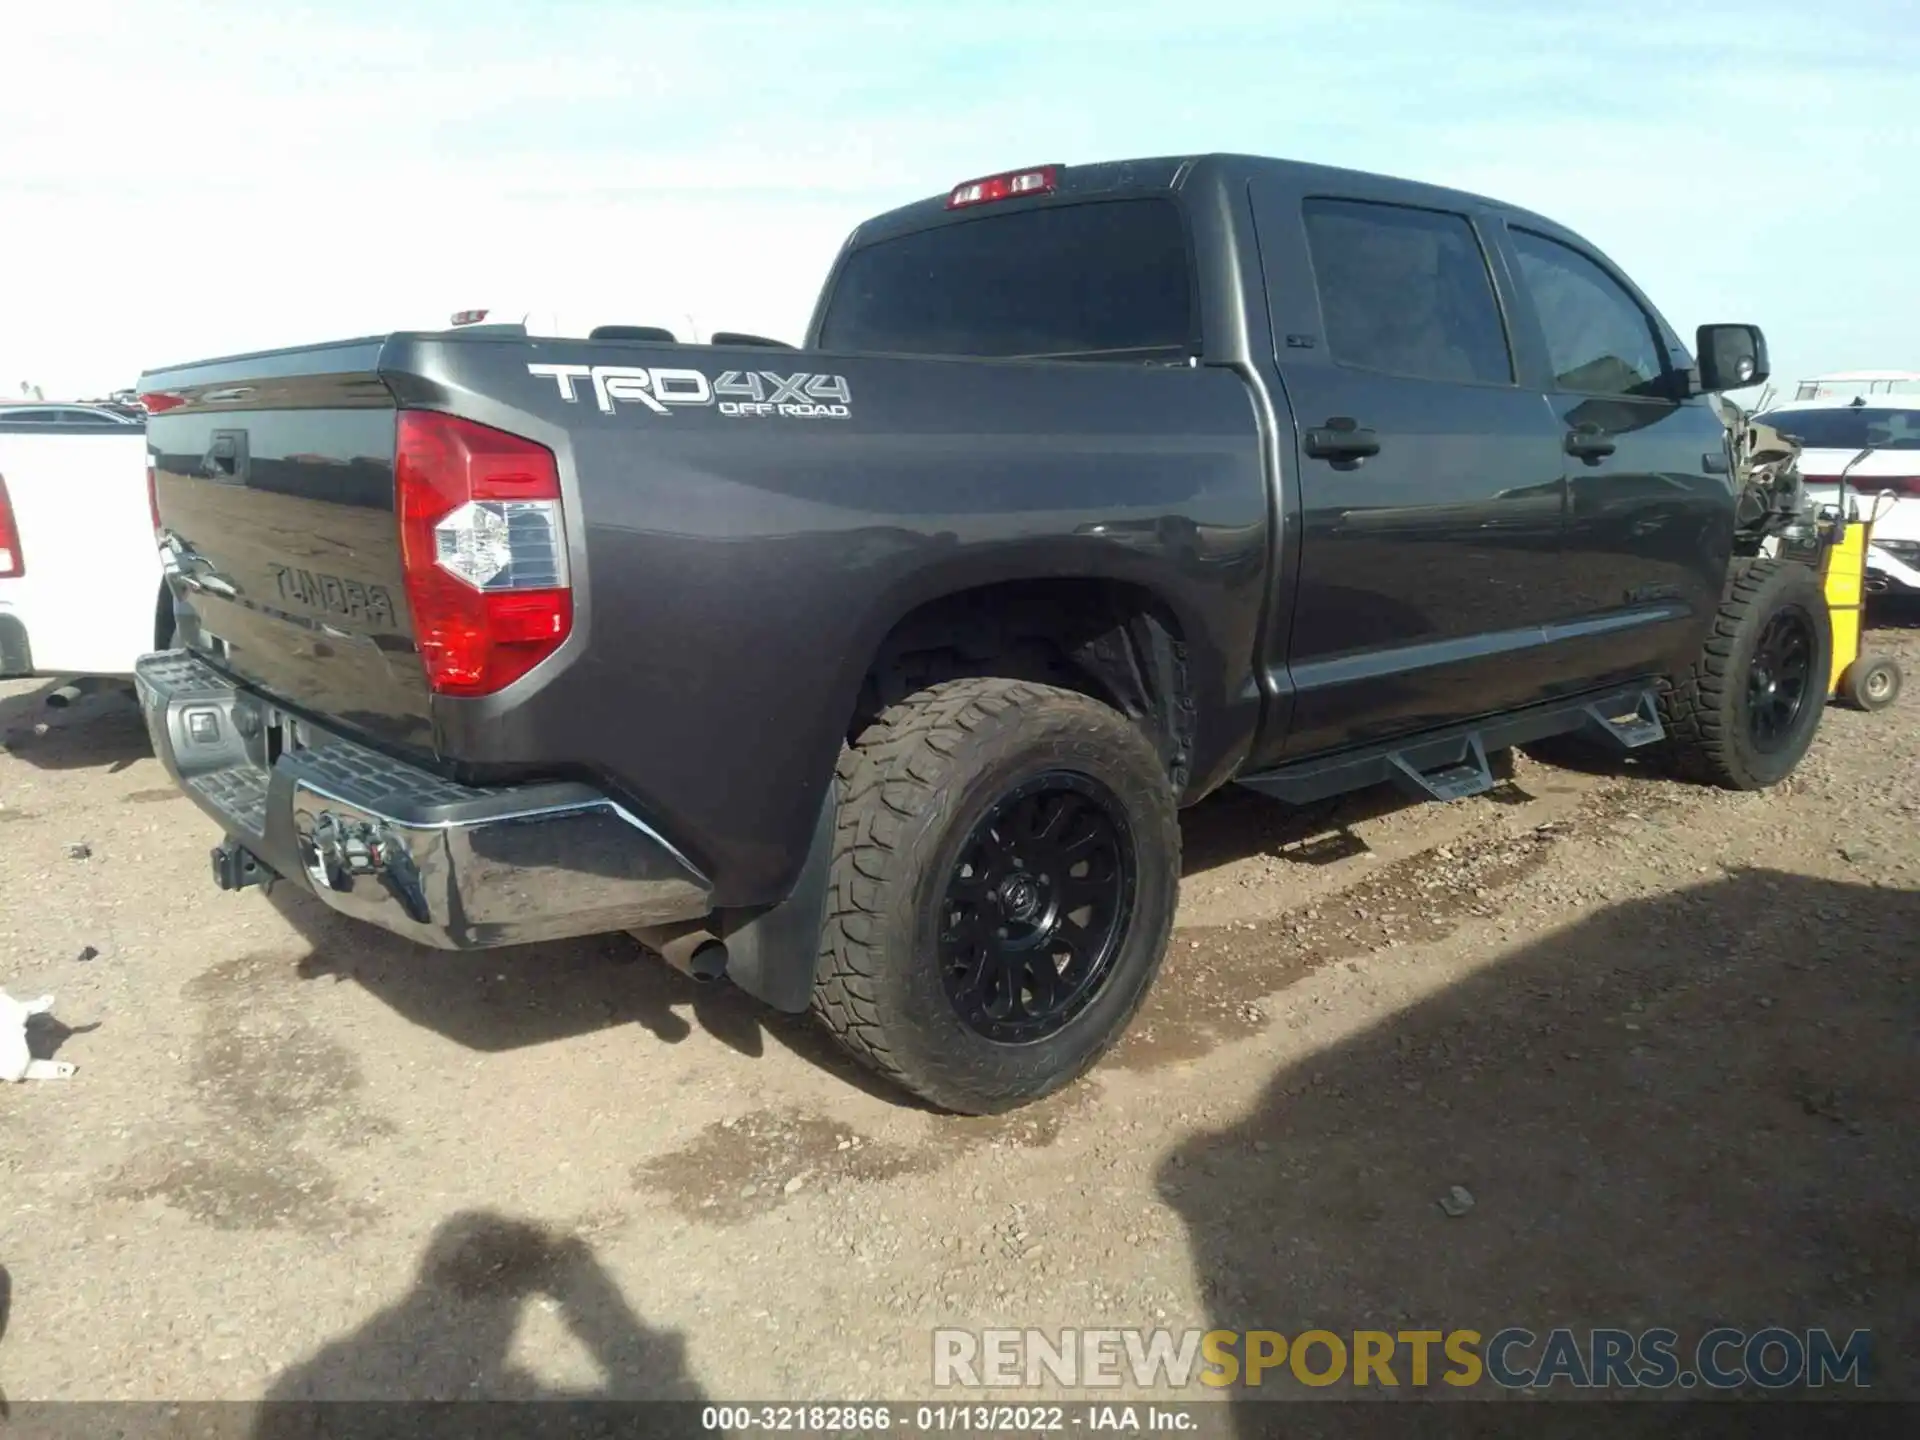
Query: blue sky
x: 182, y: 178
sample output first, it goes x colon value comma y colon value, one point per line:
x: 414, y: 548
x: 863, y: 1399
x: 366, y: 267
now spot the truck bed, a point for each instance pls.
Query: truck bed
x: 734, y: 560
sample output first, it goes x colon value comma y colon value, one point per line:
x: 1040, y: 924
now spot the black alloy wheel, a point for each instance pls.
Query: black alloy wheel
x: 1780, y: 678
x: 1037, y: 906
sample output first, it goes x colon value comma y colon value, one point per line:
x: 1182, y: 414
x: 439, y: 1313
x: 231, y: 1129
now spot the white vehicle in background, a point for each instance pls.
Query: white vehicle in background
x: 1883, y: 483
x: 81, y: 595
x: 1846, y: 384
x: 53, y: 412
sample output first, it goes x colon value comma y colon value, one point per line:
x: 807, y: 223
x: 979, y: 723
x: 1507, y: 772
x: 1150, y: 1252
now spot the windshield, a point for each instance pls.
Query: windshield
x: 1851, y: 427
x: 1102, y: 281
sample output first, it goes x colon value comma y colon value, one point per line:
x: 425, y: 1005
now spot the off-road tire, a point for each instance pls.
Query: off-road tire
x: 1705, y: 708
x: 912, y: 788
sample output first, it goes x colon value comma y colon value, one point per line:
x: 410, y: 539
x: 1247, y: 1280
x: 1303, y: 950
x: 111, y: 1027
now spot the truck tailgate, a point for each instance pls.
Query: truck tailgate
x: 274, y: 481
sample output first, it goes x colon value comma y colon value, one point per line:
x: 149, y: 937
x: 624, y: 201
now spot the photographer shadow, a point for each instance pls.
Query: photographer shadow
x: 450, y: 1339
x: 1683, y: 1111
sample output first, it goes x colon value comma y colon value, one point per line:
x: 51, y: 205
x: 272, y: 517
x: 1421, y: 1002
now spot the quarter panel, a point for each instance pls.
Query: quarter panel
x: 742, y: 570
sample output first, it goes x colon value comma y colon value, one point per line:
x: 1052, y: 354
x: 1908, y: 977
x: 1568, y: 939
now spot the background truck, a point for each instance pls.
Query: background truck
x: 871, y: 674
x: 80, y: 585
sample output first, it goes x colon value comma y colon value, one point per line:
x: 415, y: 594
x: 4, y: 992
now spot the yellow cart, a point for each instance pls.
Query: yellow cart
x: 1867, y: 682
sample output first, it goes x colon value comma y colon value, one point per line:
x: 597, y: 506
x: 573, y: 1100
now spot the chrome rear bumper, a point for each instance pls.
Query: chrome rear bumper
x: 454, y: 866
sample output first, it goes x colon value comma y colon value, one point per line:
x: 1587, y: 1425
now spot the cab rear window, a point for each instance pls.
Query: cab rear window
x: 1106, y: 280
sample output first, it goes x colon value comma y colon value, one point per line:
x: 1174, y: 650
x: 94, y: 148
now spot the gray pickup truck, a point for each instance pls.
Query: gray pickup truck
x: 871, y: 675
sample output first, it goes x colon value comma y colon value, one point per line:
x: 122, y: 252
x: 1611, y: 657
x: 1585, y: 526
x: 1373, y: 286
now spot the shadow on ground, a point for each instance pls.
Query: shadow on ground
x: 1235, y: 823
x: 450, y: 1338
x: 1893, y: 612
x: 525, y: 995
x: 101, y: 728
x: 520, y: 996
x: 45, y: 1036
x: 1682, y: 1112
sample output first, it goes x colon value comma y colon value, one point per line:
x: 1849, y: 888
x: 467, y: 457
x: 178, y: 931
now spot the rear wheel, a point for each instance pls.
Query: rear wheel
x: 1744, y: 713
x: 1006, y: 864
x: 1871, y: 683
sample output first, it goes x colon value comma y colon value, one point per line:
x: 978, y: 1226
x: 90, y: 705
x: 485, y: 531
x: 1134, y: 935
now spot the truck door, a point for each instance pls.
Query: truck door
x: 1649, y: 526
x: 1431, y: 481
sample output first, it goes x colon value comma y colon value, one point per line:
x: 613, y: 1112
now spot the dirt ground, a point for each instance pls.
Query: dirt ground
x: 1664, y: 1036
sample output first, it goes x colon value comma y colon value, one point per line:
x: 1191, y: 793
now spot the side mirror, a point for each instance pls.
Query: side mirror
x: 1732, y: 357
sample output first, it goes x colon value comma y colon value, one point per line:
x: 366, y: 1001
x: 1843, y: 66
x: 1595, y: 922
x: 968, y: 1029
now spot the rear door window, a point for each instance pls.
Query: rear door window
x: 1107, y: 280
x: 1406, y: 292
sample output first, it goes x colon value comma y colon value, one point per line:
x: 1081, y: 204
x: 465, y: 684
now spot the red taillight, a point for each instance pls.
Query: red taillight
x: 468, y: 317
x: 484, y: 547
x: 159, y: 401
x: 13, y: 563
x: 1041, y: 180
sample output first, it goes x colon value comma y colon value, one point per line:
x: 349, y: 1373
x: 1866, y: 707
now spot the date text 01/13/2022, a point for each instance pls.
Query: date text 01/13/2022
x: 953, y: 1419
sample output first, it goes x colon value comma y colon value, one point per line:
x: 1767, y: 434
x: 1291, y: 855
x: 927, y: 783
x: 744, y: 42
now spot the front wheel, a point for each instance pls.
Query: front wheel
x: 1007, y: 859
x: 1744, y: 713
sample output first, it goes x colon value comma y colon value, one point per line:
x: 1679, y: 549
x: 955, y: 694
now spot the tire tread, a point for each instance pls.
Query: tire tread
x: 1699, y: 705
x: 904, y: 767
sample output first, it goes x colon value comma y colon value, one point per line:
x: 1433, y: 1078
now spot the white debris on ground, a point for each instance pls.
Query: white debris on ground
x: 16, y: 1059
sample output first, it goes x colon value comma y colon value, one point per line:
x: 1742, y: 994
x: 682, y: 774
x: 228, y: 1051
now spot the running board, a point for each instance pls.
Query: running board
x: 1628, y: 729
x: 1451, y: 764
x: 1471, y: 775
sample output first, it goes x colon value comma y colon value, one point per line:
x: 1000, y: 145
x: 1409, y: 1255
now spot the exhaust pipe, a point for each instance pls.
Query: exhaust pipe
x: 689, y: 947
x: 72, y: 692
x: 701, y: 957
x: 1877, y: 585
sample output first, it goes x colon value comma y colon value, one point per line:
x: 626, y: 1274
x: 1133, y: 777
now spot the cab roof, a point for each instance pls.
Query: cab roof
x: 1166, y: 173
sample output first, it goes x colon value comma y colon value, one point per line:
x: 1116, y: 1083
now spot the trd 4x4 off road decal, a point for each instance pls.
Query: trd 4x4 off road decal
x: 798, y: 396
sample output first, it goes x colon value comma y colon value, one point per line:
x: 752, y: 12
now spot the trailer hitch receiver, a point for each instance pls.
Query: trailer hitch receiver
x: 236, y: 868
